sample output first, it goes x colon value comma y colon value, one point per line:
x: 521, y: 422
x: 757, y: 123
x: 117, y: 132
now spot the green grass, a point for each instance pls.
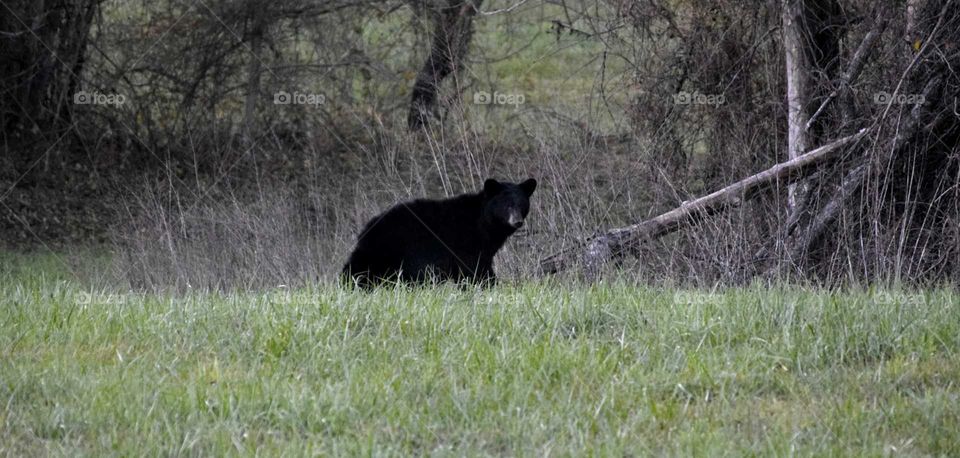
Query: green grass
x: 539, y: 368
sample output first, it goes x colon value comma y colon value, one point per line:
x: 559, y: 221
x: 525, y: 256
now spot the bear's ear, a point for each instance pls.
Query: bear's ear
x: 529, y: 186
x: 491, y: 187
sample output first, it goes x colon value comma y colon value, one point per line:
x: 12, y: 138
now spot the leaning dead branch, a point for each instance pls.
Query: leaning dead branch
x: 595, y: 252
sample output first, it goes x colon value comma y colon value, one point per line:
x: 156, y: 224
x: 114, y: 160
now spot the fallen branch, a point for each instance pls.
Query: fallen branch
x: 598, y: 250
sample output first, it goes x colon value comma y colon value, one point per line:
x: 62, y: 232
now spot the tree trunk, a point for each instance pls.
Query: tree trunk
x: 42, y: 47
x: 253, y: 81
x: 930, y: 74
x: 453, y: 30
x: 842, y: 89
x: 812, y: 30
x: 42, y: 50
x: 800, y: 241
x: 798, y: 69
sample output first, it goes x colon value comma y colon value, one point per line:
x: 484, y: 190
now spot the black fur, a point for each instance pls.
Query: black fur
x: 452, y: 239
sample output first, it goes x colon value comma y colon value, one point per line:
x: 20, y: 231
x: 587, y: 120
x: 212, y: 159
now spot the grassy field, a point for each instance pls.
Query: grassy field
x: 533, y: 369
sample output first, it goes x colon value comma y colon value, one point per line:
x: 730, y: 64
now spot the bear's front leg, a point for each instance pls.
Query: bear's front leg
x: 485, y: 276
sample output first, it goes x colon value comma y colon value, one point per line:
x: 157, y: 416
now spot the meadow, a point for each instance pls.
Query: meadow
x: 536, y: 368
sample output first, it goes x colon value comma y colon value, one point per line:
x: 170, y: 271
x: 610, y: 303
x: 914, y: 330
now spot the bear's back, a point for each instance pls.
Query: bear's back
x: 424, y: 220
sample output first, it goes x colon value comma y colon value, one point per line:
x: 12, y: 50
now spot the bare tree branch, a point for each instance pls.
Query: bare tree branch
x: 597, y: 251
x: 856, y: 65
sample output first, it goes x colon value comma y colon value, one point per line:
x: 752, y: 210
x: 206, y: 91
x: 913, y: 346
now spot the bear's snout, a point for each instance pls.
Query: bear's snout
x: 515, y: 221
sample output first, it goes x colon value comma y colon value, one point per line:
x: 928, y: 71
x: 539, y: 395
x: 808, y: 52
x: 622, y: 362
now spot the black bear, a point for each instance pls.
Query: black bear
x: 452, y: 239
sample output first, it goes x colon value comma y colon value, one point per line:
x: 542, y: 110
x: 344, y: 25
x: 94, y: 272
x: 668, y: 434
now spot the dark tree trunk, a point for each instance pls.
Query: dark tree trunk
x: 812, y: 30
x: 803, y: 235
x: 42, y: 47
x: 453, y: 30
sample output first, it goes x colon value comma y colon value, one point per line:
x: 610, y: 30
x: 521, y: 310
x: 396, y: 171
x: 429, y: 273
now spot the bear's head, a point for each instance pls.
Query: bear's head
x: 505, y: 205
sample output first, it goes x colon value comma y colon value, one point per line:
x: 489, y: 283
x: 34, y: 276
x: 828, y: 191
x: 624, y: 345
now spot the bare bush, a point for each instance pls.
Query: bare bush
x: 246, y: 190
